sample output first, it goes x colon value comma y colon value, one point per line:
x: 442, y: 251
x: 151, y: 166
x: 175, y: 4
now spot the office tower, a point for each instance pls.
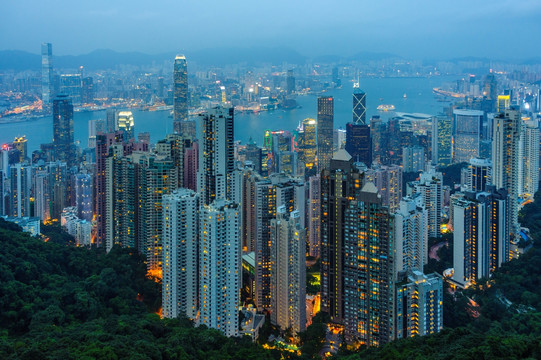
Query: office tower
x: 180, y: 93
x: 388, y: 181
x: 191, y: 165
x: 94, y: 127
x: 83, y: 191
x: 430, y: 187
x: 216, y: 154
x: 307, y: 147
x: 87, y: 91
x: 441, y: 140
x: 314, y: 215
x: 282, y: 144
x: 530, y: 163
x: 253, y: 155
x: 64, y: 147
x: 490, y: 91
x: 467, y: 126
x: 21, y: 186
x: 180, y: 286
x: 270, y: 194
x: 288, y: 277
x: 325, y: 124
x: 413, y: 158
x: 339, y: 183
x: 359, y: 143
x: 479, y: 174
x: 219, y: 266
x: 111, y: 121
x: 46, y: 74
x: 411, y: 235
x: 121, y: 199
x: 20, y: 144
x: 248, y: 210
x: 290, y: 82
x: 481, y: 241
x: 71, y: 85
x: 359, y: 106
x: 419, y: 309
x: 125, y: 124
x: 506, y: 159
x: 339, y: 139
x: 367, y: 269
x: 502, y: 103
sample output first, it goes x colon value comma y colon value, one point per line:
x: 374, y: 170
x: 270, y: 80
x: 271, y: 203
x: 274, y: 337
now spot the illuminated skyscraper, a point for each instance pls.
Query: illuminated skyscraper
x: 314, y: 215
x: 220, y: 266
x: 411, y: 235
x: 388, y: 180
x: 359, y: 143
x: 530, y: 173
x: 506, y: 159
x: 21, y: 186
x: 359, y: 106
x: 216, y: 154
x: 288, y: 278
x: 479, y: 174
x: 307, y: 146
x: 180, y: 284
x: 126, y: 124
x: 46, y: 74
x: 467, y: 128
x: 64, y: 147
x: 325, y: 123
x: 503, y: 103
x: 180, y: 92
x: 430, y: 187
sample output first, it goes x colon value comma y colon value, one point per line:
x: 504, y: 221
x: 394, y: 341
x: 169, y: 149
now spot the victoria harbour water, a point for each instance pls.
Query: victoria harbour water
x: 418, y: 98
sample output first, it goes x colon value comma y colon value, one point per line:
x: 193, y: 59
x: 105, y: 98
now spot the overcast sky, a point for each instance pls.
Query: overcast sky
x: 413, y: 28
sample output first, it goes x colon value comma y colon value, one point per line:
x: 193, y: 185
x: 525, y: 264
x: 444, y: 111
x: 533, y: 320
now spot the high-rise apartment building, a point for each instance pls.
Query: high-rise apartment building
x: 21, y: 186
x: 506, y: 159
x: 180, y: 282
x: 288, y: 275
x: 411, y: 235
x: 325, y: 124
x: 180, y: 93
x: 216, y: 154
x: 479, y: 174
x: 441, y: 140
x: 530, y: 173
x: 388, y: 180
x: 219, y: 266
x: 314, y: 215
x: 413, y: 158
x: 430, y: 186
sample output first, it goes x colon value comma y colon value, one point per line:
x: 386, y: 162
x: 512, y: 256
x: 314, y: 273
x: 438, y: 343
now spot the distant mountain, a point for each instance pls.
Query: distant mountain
x: 110, y: 59
x: 373, y: 56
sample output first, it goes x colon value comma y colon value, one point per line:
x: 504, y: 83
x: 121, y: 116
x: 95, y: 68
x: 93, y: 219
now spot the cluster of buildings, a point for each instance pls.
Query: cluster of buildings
x: 215, y: 218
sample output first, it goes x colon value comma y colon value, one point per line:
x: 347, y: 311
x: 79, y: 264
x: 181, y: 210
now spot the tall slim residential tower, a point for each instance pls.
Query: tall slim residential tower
x: 506, y: 159
x: 180, y: 93
x: 340, y: 183
x: 411, y: 235
x: 219, y: 266
x: 180, y: 284
x: 325, y: 124
x: 479, y: 174
x: 21, y: 186
x: 530, y: 174
x: 367, y: 270
x: 46, y: 74
x: 288, y: 278
x: 216, y: 154
x: 430, y: 186
x: 63, y: 145
x: 314, y: 215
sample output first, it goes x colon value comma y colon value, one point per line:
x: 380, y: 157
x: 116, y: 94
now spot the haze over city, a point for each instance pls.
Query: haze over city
x: 499, y: 29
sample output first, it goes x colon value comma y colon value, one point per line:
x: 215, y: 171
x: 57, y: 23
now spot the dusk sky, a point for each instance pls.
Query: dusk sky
x: 417, y: 28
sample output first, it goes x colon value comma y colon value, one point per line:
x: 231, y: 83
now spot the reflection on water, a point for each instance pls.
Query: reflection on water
x: 158, y: 124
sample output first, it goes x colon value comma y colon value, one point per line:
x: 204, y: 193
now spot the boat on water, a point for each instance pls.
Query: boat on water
x: 386, y: 108
x: 405, y: 96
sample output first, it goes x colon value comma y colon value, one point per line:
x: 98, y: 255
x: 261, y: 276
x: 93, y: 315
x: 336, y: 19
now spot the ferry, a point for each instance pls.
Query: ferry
x: 386, y: 108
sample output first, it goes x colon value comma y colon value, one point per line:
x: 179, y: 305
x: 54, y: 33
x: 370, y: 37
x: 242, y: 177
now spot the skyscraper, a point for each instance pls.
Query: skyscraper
x: 314, y: 215
x: 530, y: 173
x: 411, y: 235
x: 180, y: 93
x: 479, y: 174
x: 441, y: 140
x: 388, y: 180
x: 125, y: 123
x: 307, y: 146
x: 325, y: 124
x: 467, y: 127
x: 216, y: 154
x: 430, y: 187
x: 64, y: 147
x: 288, y: 277
x: 359, y: 143
x: 180, y: 283
x: 359, y: 105
x: 46, y: 74
x: 506, y: 159
x: 219, y: 266
x: 21, y: 186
